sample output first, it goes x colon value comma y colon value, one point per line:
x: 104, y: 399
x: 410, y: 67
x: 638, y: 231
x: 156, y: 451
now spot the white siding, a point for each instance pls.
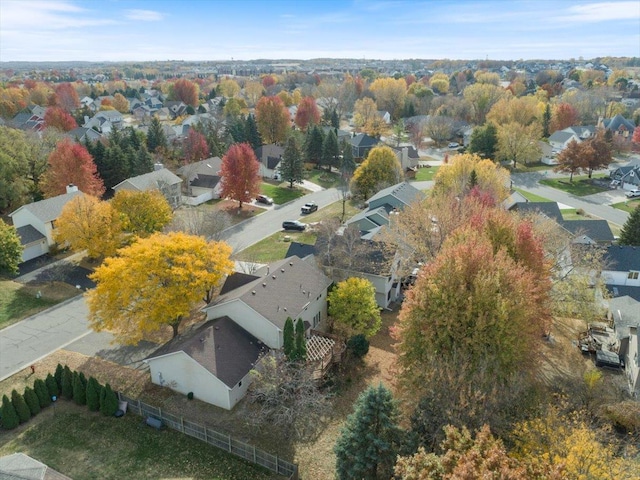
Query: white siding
x: 632, y: 364
x: 35, y: 250
x: 250, y: 320
x: 25, y: 217
x: 620, y: 278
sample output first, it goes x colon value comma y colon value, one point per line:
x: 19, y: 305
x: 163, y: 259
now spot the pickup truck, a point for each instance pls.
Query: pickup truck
x: 309, y: 207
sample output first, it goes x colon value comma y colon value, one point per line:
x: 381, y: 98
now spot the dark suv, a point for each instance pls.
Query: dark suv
x: 294, y: 225
x: 309, y: 207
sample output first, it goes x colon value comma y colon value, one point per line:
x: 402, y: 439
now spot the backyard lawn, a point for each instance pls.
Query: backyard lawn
x: 580, y: 186
x: 532, y: 197
x: 87, y: 445
x: 426, y: 173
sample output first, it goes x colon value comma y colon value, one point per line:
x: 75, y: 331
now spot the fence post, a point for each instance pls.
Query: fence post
x: 229, y: 437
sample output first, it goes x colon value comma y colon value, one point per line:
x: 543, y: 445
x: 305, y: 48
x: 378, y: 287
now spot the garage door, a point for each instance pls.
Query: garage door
x: 34, y: 250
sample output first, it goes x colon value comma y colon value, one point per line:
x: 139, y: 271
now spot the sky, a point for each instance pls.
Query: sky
x: 197, y: 30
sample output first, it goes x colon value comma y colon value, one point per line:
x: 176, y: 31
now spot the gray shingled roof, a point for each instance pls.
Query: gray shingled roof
x: 149, y: 181
x: 28, y: 234
x: 282, y: 289
x: 405, y: 192
x: 596, y: 230
x: 622, y: 258
x: 208, y: 166
x: 561, y: 136
x: 205, y: 181
x: 19, y: 466
x: 364, y: 140
x: 221, y: 346
x: 50, y: 208
x: 617, y: 122
x: 549, y: 209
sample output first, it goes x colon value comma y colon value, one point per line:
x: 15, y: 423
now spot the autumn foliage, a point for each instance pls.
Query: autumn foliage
x: 195, y: 147
x: 307, y: 113
x: 71, y: 163
x: 240, y: 174
x: 186, y: 91
x: 59, y: 118
x: 273, y: 119
x: 564, y: 116
x: 66, y: 97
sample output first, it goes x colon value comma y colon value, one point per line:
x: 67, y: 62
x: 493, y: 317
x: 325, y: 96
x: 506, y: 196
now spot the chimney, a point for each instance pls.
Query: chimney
x: 633, y: 330
x: 157, y: 166
x: 71, y: 188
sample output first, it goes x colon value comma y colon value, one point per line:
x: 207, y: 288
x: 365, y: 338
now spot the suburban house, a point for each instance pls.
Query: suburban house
x: 562, y: 138
x: 619, y: 126
x: 19, y: 466
x: 632, y: 362
x: 269, y: 157
x: 361, y: 145
x: 31, y: 118
x: 628, y: 177
x: 624, y: 312
x: 622, y: 270
x: 202, y: 180
x: 161, y: 179
x: 408, y: 157
x: 384, y: 116
x: 35, y: 223
x: 83, y: 134
x: 104, y: 121
x: 381, y: 205
x: 213, y: 361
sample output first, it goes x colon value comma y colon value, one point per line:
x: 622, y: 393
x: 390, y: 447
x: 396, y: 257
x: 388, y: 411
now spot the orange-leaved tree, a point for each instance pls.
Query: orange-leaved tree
x: 307, y: 113
x: 155, y: 282
x: 186, y: 91
x: 70, y: 162
x: 240, y: 174
x: 59, y: 118
x: 273, y: 119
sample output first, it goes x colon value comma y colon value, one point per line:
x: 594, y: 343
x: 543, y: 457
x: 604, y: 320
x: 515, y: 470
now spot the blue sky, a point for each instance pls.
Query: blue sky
x: 138, y: 30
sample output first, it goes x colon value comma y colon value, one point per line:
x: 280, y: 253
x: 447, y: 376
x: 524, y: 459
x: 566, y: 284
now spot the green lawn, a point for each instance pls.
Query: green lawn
x: 628, y: 205
x: 322, y: 177
x: 580, y: 186
x: 86, y: 445
x: 532, y: 197
x: 426, y: 173
x: 280, y: 194
x: 531, y: 167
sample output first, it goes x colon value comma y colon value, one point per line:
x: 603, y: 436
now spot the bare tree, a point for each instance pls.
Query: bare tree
x: 196, y: 221
x: 439, y: 129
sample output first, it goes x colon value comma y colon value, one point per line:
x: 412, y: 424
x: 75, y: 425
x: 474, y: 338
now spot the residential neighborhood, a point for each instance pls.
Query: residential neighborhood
x: 253, y: 265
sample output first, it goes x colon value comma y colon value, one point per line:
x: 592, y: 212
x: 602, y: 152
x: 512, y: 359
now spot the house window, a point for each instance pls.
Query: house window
x: 633, y: 275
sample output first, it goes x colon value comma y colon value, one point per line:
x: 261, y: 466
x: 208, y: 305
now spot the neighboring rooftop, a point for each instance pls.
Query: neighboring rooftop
x: 50, y: 208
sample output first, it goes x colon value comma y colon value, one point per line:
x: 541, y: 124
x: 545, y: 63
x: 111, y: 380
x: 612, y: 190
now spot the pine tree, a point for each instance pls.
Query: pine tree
x: 155, y: 136
x: 335, y: 120
x: 301, y: 343
x: 41, y: 391
x: 630, y: 233
x: 292, y: 165
x: 102, y: 396
x: 331, y: 150
x: 109, y: 405
x: 347, y: 164
x: 313, y: 145
x: 473, y: 179
x: 32, y: 401
x: 52, y: 386
x: 368, y: 443
x: 9, y: 416
x: 58, y: 376
x: 67, y: 383
x: 546, y: 121
x: 93, y: 394
x: 17, y: 400
x: 288, y: 337
x: 251, y: 132
x: 79, y: 388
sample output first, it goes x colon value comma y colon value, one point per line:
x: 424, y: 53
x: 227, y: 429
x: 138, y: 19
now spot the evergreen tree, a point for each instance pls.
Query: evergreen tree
x: 484, y: 141
x: 67, y: 383
x: 300, y: 351
x: 251, y: 132
x: 313, y: 145
x: 58, y: 376
x: 473, y: 179
x: 79, y: 388
x: 235, y: 129
x: 52, y: 386
x: 109, y: 405
x: 102, y: 396
x: 17, y: 400
x: 335, y: 119
x: 93, y: 394
x: 41, y: 391
x: 32, y: 401
x: 8, y: 415
x: 630, y: 233
x: 291, y: 165
x: 546, y: 121
x: 331, y: 150
x: 155, y: 136
x: 288, y: 336
x: 368, y: 444
x: 347, y: 164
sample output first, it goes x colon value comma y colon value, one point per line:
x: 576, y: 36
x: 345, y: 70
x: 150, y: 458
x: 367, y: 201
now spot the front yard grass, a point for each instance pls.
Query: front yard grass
x: 322, y: 177
x: 426, y: 173
x: 18, y: 301
x: 280, y: 194
x: 580, y: 186
x: 531, y: 167
x: 87, y: 445
x: 532, y: 197
x: 627, y: 205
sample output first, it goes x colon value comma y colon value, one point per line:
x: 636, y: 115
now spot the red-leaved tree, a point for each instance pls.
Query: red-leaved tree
x: 195, y: 147
x: 636, y: 138
x: 240, y: 177
x: 59, y: 118
x: 268, y: 81
x: 186, y: 91
x: 307, y: 113
x: 564, y: 115
x: 66, y: 97
x: 71, y: 163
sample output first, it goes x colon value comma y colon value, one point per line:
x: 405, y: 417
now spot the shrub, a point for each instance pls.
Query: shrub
x: 52, y: 386
x: 58, y: 376
x: 288, y: 337
x: 32, y: 401
x: 358, y: 345
x: 41, y: 391
x: 190, y: 395
x: 9, y: 417
x: 92, y: 394
x: 24, y: 414
x: 108, y: 404
x: 579, y: 211
x: 67, y: 383
x: 79, y: 388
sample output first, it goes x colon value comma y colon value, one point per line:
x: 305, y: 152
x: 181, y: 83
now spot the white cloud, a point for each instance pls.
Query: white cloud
x: 600, y: 12
x: 49, y: 15
x: 144, y: 15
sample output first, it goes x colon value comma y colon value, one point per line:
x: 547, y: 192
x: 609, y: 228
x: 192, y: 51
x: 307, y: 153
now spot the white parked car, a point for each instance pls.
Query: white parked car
x: 633, y: 193
x: 454, y: 145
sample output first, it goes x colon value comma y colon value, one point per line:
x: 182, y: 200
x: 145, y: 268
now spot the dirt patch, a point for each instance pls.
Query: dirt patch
x: 57, y: 291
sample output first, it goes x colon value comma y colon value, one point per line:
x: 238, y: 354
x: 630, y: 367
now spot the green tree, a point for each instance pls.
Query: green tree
x: 630, y: 233
x: 484, y: 141
x: 32, y: 401
x: 109, y: 402
x: 518, y: 143
x: 58, y: 376
x: 79, y: 388
x: 313, y: 145
x: 358, y: 345
x: 52, y: 386
x: 93, y: 394
x: 292, y: 164
x: 10, y: 248
x: 14, y: 154
x: 288, y: 337
x: 331, y: 150
x: 381, y: 169
x: 24, y: 414
x: 370, y: 439
x: 41, y: 391
x: 8, y: 415
x: 251, y: 132
x: 347, y: 163
x: 546, y: 121
x: 352, y: 304
x: 155, y: 136
x: 67, y: 383
x: 300, y: 351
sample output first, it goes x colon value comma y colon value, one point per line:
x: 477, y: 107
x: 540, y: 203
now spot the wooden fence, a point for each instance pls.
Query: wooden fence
x: 219, y: 440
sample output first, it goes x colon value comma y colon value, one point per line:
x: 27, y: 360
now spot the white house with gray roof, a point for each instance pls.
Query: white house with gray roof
x: 35, y: 223
x: 162, y: 179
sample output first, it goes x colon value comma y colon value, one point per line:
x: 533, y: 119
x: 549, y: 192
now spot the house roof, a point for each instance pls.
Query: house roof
x: 282, y: 289
x: 582, y: 131
x: 221, y: 346
x: 618, y: 122
x: 48, y: 209
x: 208, y: 166
x: 300, y: 250
x: 624, y: 290
x: 404, y: 191
x: 561, y: 136
x: 513, y: 199
x: 549, y: 209
x: 596, y: 230
x: 19, y: 466
x: 364, y: 140
x: 28, y: 234
x: 272, y: 150
x: 151, y: 180
x: 622, y: 258
x: 205, y: 181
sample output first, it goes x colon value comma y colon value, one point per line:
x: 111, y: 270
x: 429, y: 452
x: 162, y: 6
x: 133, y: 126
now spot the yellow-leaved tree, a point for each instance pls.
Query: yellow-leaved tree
x: 381, y: 169
x: 142, y: 213
x: 154, y: 282
x: 87, y: 223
